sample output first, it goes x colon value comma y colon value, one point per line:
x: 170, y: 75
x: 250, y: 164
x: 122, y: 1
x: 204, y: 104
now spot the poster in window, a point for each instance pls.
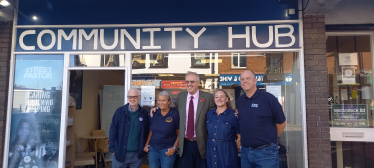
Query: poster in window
x: 348, y: 75
x: 110, y: 60
x: 36, y: 112
x: 348, y: 59
x: 158, y: 61
x: 138, y: 61
x: 200, y: 60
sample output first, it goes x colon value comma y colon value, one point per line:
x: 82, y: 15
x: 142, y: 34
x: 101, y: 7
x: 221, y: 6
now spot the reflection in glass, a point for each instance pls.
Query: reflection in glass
x: 352, y: 154
x: 36, y: 113
x: 158, y: 61
x: 350, y: 79
x: 103, y: 60
x: 138, y: 61
x: 109, y: 60
x: 277, y: 73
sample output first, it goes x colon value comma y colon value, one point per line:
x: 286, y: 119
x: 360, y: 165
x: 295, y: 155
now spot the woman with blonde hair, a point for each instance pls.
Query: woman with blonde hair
x: 223, y: 130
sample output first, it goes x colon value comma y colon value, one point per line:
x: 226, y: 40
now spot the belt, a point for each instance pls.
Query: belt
x: 221, y: 140
x: 192, y: 139
x: 262, y: 146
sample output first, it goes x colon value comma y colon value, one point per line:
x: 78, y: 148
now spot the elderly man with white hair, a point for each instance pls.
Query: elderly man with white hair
x: 128, y: 133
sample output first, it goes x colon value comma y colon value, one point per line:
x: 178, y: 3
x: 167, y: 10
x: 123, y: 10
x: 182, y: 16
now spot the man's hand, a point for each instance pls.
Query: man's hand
x: 170, y: 152
x: 236, y: 113
x: 146, y: 148
x: 152, y: 111
x: 113, y: 152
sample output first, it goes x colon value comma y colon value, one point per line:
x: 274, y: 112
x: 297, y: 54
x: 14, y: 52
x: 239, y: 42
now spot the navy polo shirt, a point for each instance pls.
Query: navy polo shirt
x: 164, y: 129
x: 257, y: 118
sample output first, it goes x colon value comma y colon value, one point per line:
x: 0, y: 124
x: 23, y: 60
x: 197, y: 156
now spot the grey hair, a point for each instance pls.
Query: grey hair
x: 137, y: 90
x: 166, y: 93
x: 193, y: 73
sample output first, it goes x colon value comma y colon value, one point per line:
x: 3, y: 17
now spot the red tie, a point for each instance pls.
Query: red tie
x: 191, y: 122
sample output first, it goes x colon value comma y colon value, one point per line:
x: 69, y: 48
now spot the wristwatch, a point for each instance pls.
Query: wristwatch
x: 175, y: 147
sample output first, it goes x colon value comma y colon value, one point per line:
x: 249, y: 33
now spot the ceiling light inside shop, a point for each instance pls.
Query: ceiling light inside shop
x: 4, y: 3
x: 34, y: 18
x: 165, y: 75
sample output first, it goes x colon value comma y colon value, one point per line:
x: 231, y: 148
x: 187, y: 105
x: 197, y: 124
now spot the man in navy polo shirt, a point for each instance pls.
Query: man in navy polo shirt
x: 262, y: 120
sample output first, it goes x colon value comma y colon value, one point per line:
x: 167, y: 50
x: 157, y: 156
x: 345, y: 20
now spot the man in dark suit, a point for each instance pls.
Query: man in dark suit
x: 193, y: 106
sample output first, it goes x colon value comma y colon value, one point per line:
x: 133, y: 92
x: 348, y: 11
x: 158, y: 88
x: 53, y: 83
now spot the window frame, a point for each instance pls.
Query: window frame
x: 232, y: 60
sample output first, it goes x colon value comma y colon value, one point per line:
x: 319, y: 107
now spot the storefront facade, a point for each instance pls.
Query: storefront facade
x: 155, y: 52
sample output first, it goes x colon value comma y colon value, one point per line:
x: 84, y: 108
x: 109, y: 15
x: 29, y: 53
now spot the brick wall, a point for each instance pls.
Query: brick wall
x: 316, y: 87
x: 287, y: 62
x: 5, y: 48
x: 256, y: 64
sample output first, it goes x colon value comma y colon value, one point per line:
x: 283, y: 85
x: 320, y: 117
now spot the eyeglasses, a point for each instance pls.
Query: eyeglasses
x: 132, y: 97
x: 192, y: 82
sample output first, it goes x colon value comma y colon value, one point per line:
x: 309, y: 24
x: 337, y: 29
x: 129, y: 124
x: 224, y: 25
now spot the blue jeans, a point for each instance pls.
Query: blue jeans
x: 131, y: 161
x: 158, y: 157
x: 267, y: 157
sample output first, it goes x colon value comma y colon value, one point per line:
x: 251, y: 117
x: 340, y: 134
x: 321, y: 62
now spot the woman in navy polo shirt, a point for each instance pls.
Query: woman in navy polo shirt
x: 223, y: 128
x: 163, y: 138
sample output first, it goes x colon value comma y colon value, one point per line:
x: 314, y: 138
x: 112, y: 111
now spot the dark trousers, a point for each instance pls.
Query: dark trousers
x: 191, y: 157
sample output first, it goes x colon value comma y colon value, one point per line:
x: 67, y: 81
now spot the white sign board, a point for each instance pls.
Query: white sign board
x: 348, y: 59
x: 348, y: 75
x: 147, y: 96
x: 113, y: 98
x: 276, y: 90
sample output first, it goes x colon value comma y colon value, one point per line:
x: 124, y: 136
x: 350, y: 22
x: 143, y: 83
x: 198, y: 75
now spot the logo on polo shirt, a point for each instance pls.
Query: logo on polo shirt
x: 169, y: 119
x: 254, y: 105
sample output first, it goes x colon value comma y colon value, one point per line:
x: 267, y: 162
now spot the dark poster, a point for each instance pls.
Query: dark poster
x: 75, y: 88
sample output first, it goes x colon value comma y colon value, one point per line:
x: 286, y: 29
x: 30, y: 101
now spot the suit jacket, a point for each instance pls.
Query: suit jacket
x: 205, y: 103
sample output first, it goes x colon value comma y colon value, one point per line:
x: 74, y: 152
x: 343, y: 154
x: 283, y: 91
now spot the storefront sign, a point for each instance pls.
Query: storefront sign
x: 173, y: 84
x: 349, y: 115
x: 139, y: 83
x: 228, y: 37
x: 36, y: 112
x: 231, y: 79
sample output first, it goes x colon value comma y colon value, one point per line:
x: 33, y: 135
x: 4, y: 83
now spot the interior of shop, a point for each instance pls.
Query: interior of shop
x: 87, y: 89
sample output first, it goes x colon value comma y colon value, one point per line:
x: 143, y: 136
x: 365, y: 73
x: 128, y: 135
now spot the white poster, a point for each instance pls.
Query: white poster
x: 148, y: 96
x: 113, y: 98
x: 276, y: 90
x: 347, y: 59
x: 348, y: 75
x: 343, y: 94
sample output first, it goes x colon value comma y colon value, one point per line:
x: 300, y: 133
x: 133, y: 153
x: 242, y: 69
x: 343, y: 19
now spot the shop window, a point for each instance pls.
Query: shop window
x: 103, y: 60
x: 138, y: 61
x: 274, y: 63
x: 158, y: 61
x: 200, y: 60
x: 36, y: 110
x: 238, y: 60
x: 215, y: 72
x: 350, y: 74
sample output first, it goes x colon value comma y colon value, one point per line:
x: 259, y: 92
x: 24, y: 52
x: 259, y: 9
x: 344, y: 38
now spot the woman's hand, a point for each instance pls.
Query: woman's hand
x: 170, y: 152
x: 146, y: 148
x: 152, y: 111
